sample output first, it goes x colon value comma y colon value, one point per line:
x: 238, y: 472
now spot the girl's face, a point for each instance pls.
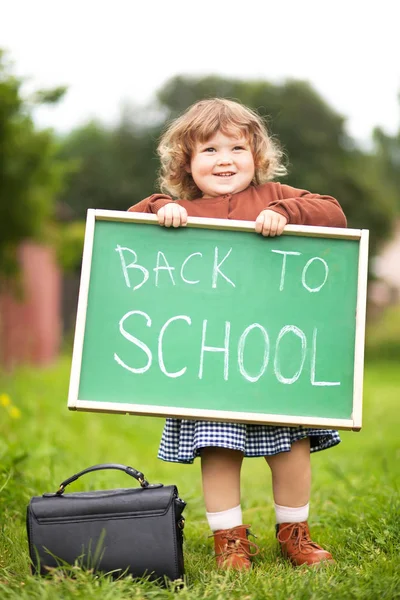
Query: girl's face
x: 222, y: 165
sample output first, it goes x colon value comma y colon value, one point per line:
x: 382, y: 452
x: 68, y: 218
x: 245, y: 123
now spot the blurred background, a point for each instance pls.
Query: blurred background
x: 87, y: 87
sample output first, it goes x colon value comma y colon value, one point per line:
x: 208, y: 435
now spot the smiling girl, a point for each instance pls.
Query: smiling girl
x: 217, y: 160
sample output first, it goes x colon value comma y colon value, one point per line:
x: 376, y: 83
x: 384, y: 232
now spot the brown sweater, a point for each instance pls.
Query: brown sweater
x: 298, y: 206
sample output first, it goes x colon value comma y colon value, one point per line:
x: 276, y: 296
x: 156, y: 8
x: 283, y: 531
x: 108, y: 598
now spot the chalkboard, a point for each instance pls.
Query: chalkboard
x: 213, y: 321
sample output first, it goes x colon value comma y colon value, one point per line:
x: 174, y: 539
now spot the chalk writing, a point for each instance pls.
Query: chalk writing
x: 302, y: 344
x: 226, y: 349
x: 162, y: 264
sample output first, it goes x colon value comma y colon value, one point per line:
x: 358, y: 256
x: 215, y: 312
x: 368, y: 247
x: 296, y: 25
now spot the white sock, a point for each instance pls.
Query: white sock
x: 225, y: 519
x: 286, y: 514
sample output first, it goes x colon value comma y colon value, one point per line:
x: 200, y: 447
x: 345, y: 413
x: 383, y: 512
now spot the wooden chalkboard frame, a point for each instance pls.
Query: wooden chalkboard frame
x: 75, y: 403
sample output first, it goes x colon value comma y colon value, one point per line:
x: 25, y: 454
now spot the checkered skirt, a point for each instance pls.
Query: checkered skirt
x: 183, y: 439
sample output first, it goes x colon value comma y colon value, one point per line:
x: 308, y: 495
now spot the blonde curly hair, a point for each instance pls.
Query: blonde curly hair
x: 197, y: 125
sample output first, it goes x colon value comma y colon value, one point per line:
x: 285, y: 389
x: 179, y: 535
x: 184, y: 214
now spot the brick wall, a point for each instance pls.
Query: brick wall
x: 30, y: 316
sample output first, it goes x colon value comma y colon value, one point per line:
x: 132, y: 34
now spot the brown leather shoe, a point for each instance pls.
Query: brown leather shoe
x: 297, y: 546
x: 232, y: 548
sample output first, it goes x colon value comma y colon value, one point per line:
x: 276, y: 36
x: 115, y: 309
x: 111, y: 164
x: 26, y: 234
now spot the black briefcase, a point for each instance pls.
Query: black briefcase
x: 136, y: 531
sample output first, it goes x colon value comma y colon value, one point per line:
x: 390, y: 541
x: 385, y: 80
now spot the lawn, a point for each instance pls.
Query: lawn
x: 355, y: 508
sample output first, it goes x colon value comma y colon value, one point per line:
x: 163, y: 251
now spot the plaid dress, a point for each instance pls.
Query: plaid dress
x: 183, y: 439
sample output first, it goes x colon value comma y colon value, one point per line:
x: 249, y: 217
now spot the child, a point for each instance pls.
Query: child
x: 219, y: 157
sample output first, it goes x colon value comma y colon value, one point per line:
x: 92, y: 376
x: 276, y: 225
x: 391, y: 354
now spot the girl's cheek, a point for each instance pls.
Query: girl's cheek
x: 200, y: 169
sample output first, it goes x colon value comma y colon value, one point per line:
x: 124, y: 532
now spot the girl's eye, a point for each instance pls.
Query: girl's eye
x: 239, y: 148
x: 210, y: 149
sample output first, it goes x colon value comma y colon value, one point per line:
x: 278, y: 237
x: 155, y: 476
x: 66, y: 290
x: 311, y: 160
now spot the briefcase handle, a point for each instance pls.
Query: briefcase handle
x: 128, y: 470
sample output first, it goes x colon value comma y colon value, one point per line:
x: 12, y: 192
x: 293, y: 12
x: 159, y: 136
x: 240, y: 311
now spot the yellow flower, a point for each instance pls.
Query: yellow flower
x: 14, y: 412
x: 5, y: 400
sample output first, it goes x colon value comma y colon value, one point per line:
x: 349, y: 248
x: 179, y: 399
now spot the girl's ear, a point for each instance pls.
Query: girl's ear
x: 188, y: 169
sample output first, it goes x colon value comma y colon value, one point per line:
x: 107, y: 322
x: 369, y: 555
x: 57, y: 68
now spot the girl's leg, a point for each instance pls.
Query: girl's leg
x: 291, y: 483
x: 291, y: 475
x: 220, y: 469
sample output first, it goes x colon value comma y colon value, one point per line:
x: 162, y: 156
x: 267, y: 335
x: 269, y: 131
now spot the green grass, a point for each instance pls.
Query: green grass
x: 383, y: 336
x: 355, y: 504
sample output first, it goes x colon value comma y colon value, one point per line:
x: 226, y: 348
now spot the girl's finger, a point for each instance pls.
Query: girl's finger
x: 168, y: 217
x: 274, y: 227
x: 281, y: 226
x: 267, y: 226
x: 176, y: 218
x: 183, y: 217
x: 161, y: 216
x: 259, y: 223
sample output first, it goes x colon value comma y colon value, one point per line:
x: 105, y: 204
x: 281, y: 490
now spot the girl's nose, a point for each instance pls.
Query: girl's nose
x: 225, y: 160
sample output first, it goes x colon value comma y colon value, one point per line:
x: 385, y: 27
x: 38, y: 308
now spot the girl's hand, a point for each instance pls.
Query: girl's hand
x: 270, y: 223
x: 172, y: 214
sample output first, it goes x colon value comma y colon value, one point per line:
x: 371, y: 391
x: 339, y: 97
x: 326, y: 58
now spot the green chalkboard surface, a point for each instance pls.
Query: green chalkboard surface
x: 214, y: 321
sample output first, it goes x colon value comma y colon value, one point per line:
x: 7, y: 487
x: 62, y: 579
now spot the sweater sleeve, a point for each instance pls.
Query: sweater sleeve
x: 152, y: 204
x: 303, y: 208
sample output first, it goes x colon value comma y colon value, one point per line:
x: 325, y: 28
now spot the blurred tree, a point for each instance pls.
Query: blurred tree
x: 30, y: 174
x: 387, y: 149
x: 322, y: 157
x: 118, y: 166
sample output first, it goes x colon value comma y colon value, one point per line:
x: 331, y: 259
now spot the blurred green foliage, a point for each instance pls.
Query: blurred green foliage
x: 322, y: 156
x: 382, y: 341
x: 31, y: 173
x: 43, y: 179
x: 387, y: 151
x: 69, y: 244
x: 118, y: 165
